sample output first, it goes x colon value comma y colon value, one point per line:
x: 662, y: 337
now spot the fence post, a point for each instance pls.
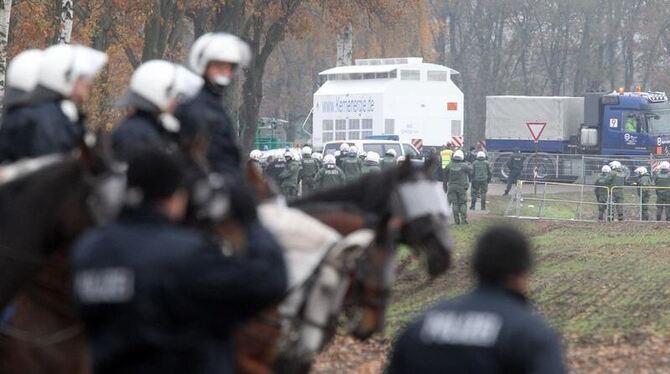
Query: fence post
x: 581, y: 200
x: 517, y: 197
x: 583, y: 171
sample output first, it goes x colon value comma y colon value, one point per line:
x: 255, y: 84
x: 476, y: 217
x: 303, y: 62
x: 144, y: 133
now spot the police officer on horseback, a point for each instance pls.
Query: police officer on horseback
x: 216, y: 57
x: 52, y: 122
x: 152, y: 98
x: 157, y: 297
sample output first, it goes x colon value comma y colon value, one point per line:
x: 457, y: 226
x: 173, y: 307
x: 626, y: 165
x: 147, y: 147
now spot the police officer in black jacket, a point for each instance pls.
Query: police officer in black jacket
x: 152, y: 97
x: 493, y: 329
x: 216, y: 57
x: 156, y: 297
x: 52, y: 122
x: 515, y: 166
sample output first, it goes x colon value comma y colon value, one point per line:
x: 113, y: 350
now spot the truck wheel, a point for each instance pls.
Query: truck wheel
x: 544, y: 164
x: 500, y: 169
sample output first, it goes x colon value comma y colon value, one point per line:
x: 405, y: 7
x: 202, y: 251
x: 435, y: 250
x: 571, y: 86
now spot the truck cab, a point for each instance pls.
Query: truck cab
x: 631, y: 123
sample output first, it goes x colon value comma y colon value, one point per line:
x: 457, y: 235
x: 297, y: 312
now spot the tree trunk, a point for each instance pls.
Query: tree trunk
x: 5, y: 13
x: 66, y: 17
x: 345, y: 46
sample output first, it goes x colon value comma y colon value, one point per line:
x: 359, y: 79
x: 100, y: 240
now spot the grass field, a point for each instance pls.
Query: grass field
x: 604, y: 287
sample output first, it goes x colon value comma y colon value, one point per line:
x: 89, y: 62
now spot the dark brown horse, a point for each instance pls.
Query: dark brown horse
x: 377, y: 202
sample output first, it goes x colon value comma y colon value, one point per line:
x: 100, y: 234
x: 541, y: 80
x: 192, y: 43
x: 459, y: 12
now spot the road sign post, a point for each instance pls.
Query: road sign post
x: 536, y: 129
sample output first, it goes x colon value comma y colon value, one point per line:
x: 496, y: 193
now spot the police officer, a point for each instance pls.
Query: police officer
x: 481, y: 177
x: 156, y: 297
x: 22, y: 75
x: 662, y: 179
x: 344, y: 152
x: 53, y: 123
x: 644, y: 192
x: 330, y: 175
x: 602, y: 191
x: 515, y: 166
x: 371, y: 164
x: 492, y: 329
x: 275, y: 168
x: 310, y: 166
x: 152, y: 98
x: 216, y: 57
x: 351, y: 165
x: 446, y: 154
x: 617, y: 181
x: 456, y: 175
x: 389, y: 160
x: 288, y: 178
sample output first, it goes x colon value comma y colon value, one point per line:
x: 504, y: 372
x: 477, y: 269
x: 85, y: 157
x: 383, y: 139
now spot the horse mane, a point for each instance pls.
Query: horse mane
x: 369, y: 193
x: 41, y: 211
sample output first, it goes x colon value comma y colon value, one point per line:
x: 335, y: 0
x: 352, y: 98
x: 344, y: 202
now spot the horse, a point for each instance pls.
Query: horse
x: 45, y: 203
x: 358, y: 272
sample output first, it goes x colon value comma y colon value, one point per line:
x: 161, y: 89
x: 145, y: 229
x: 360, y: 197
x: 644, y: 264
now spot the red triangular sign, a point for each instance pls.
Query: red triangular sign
x: 536, y: 129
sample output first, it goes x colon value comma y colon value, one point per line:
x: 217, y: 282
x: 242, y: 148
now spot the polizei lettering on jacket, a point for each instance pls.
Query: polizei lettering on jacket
x: 349, y: 105
x: 461, y: 328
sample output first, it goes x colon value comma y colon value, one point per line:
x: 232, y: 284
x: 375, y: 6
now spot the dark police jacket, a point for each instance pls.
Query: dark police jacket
x: 158, y: 298
x: 207, y: 113
x: 39, y: 129
x: 490, y: 330
x: 140, y: 131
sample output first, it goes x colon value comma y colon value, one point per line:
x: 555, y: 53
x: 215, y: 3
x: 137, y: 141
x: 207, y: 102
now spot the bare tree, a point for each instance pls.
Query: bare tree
x: 345, y: 46
x: 66, y: 18
x: 5, y: 16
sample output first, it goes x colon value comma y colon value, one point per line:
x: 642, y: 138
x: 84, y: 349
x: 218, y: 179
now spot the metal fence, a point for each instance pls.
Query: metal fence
x: 569, y: 168
x: 582, y: 202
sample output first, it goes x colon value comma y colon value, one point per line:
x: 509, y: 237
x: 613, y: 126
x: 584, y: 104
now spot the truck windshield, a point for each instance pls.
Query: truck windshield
x: 658, y: 121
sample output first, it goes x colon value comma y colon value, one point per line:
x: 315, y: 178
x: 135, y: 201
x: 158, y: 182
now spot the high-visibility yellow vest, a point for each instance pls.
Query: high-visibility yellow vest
x: 446, y: 157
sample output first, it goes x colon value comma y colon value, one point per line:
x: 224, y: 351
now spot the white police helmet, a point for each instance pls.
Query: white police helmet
x: 606, y: 169
x: 481, y: 155
x: 344, y: 147
x: 664, y: 165
x: 24, y: 69
x: 353, y: 150
x: 338, y: 153
x: 218, y: 47
x: 391, y: 152
x: 372, y: 157
x: 362, y: 153
x: 329, y: 159
x: 256, y: 154
x: 458, y: 155
x: 615, y: 165
x: 288, y: 154
x: 641, y: 170
x: 160, y: 83
x: 306, y: 150
x: 317, y: 156
x: 63, y: 64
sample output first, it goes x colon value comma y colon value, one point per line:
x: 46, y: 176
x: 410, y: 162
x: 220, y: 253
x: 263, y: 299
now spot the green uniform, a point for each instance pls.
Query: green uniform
x: 662, y: 179
x: 328, y: 177
x: 618, y: 180
x: 310, y: 167
x: 481, y: 177
x: 388, y: 162
x: 370, y: 167
x: 645, y: 195
x: 351, y: 166
x: 601, y: 190
x: 288, y: 179
x: 456, y: 174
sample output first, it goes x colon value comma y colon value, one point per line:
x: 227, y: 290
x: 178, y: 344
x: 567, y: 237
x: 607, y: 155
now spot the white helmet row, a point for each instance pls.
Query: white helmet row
x: 458, y: 155
x: 353, y: 150
x: 344, y: 147
x: 329, y: 159
x: 372, y: 157
x: 664, y: 165
x: 288, y: 154
x: 606, y: 169
x: 160, y: 83
x: 256, y: 154
x: 306, y: 150
x: 481, y: 155
x: 63, y: 64
x: 391, y: 152
x: 218, y: 47
x: 641, y: 170
x: 317, y: 156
